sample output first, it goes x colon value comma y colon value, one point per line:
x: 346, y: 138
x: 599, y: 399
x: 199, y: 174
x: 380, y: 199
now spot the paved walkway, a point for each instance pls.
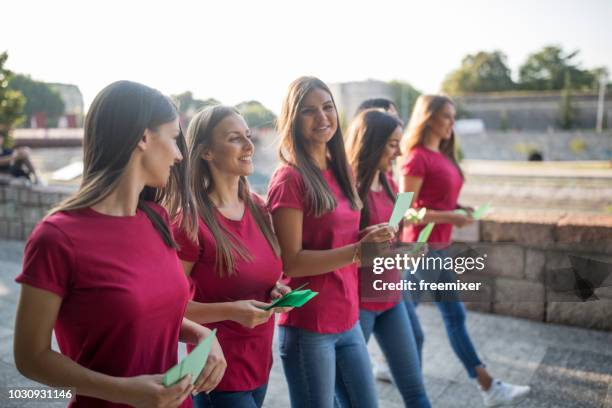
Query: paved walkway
x: 566, y: 367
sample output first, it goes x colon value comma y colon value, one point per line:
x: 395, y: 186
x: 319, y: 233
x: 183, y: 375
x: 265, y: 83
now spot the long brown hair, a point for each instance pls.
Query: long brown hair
x: 366, y: 142
x: 425, y: 108
x: 293, y: 151
x: 115, y: 123
x: 200, y: 137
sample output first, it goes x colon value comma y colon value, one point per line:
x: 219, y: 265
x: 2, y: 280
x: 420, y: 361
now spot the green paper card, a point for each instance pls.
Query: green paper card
x: 481, y: 211
x: 402, y: 204
x: 295, y: 298
x: 192, y: 364
x: 478, y: 213
x: 426, y: 232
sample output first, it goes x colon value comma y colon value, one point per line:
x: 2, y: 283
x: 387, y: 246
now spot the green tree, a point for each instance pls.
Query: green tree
x: 11, y: 102
x: 404, y: 96
x: 480, y: 72
x: 256, y: 114
x: 547, y: 70
x: 40, y: 97
x: 188, y: 105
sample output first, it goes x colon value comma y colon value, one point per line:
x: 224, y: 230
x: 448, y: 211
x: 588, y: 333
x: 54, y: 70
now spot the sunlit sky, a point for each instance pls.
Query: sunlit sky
x: 241, y: 50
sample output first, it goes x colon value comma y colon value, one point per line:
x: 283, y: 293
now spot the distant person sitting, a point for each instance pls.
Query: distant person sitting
x: 535, y: 156
x: 17, y: 163
x: 383, y: 104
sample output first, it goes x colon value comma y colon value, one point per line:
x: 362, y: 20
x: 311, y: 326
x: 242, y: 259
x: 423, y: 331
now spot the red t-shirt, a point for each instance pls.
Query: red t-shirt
x: 442, y: 183
x: 380, y: 209
x: 336, y: 308
x: 123, y: 292
x: 248, y: 352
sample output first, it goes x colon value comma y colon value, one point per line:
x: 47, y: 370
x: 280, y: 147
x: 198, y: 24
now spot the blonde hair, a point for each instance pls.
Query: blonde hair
x: 200, y: 138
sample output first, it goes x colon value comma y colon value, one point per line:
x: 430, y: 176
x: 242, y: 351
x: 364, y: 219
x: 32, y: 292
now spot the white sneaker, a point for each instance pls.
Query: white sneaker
x: 382, y: 372
x: 502, y: 393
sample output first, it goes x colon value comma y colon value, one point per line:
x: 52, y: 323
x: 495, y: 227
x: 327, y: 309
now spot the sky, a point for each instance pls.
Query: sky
x: 242, y: 50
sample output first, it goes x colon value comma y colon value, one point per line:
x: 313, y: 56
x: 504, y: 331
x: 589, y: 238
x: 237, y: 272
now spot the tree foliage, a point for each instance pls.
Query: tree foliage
x: 404, y: 97
x: 256, y: 114
x: 480, y: 72
x: 40, y: 97
x: 188, y: 105
x: 548, y: 68
x: 11, y: 102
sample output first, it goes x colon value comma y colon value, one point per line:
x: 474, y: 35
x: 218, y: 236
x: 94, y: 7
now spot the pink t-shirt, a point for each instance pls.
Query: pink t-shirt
x: 380, y: 209
x: 123, y: 291
x: 442, y: 183
x: 336, y: 308
x: 248, y: 352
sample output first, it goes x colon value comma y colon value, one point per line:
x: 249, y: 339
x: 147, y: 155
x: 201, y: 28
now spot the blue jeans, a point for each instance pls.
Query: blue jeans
x: 316, y: 364
x: 453, y: 315
x: 231, y: 399
x: 393, y: 331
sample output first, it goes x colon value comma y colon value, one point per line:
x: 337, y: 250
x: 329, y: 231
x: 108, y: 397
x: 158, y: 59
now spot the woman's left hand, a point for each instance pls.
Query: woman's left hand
x: 280, y: 290
x: 213, y: 371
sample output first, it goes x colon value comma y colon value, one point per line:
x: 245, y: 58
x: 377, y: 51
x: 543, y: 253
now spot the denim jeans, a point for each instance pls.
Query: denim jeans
x: 393, y: 331
x: 231, y: 399
x: 316, y: 364
x: 453, y: 314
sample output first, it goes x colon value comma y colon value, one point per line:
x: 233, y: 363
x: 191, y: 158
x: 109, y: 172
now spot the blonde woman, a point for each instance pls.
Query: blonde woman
x: 431, y: 171
x: 234, y: 259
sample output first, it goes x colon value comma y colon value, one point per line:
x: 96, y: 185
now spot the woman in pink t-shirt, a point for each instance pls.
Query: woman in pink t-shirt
x: 315, y: 210
x: 430, y: 170
x: 102, y: 272
x: 235, y: 262
x: 373, y: 144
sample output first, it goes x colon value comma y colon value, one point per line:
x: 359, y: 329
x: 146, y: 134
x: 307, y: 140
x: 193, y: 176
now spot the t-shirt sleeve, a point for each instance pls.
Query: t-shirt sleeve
x: 188, y: 250
x: 415, y: 165
x: 286, y: 190
x: 48, y: 260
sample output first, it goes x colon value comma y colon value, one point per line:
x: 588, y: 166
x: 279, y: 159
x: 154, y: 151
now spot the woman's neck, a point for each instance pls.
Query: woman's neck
x: 376, y: 186
x: 123, y: 200
x: 318, y: 154
x: 432, y: 142
x: 225, y: 191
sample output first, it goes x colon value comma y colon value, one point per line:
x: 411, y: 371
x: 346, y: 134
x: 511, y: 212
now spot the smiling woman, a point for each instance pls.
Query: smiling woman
x: 234, y: 261
x: 315, y: 209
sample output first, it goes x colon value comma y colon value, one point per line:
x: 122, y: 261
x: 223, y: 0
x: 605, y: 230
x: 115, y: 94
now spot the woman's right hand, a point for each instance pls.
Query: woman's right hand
x: 378, y: 233
x: 147, y: 391
x: 461, y: 220
x: 250, y: 313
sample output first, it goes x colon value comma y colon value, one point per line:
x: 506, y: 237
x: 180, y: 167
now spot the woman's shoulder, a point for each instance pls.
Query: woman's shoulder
x: 286, y: 173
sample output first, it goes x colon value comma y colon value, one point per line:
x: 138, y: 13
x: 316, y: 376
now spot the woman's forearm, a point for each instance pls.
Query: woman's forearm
x: 192, y: 332
x: 56, y: 370
x: 439, y: 217
x: 203, y: 313
x: 312, y: 263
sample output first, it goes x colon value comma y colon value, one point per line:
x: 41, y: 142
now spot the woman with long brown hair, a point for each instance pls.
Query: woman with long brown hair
x: 315, y: 209
x: 101, y: 269
x: 431, y: 171
x: 234, y: 257
x: 373, y: 144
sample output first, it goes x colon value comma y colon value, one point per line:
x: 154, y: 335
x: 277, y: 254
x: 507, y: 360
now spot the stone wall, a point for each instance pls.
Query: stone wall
x: 534, y: 243
x: 533, y: 246
x: 533, y: 110
x: 512, y: 145
x: 22, y: 206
